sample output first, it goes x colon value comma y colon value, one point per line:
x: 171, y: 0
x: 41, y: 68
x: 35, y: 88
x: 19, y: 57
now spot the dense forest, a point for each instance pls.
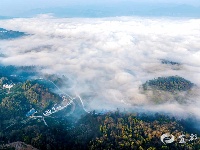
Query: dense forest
x: 81, y: 130
x: 113, y: 130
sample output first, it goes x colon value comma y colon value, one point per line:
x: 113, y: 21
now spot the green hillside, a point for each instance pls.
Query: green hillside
x: 171, y: 83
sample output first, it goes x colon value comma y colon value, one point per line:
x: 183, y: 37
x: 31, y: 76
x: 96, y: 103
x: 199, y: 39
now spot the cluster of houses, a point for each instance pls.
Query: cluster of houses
x: 65, y: 102
x: 8, y: 86
x: 31, y: 113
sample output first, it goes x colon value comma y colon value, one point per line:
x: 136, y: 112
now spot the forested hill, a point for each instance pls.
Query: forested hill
x: 171, y: 83
x: 23, y: 96
x: 9, y: 34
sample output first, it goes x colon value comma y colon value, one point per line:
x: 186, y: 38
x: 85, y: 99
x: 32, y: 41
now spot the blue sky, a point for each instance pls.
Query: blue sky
x: 76, y: 7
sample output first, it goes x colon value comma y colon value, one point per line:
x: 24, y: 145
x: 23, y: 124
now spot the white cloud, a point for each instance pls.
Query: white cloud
x: 108, y: 59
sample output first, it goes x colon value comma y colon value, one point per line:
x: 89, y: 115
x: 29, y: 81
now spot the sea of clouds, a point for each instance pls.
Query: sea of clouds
x: 108, y: 59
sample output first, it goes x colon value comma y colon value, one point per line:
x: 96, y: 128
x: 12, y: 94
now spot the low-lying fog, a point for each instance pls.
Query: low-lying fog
x: 108, y: 59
